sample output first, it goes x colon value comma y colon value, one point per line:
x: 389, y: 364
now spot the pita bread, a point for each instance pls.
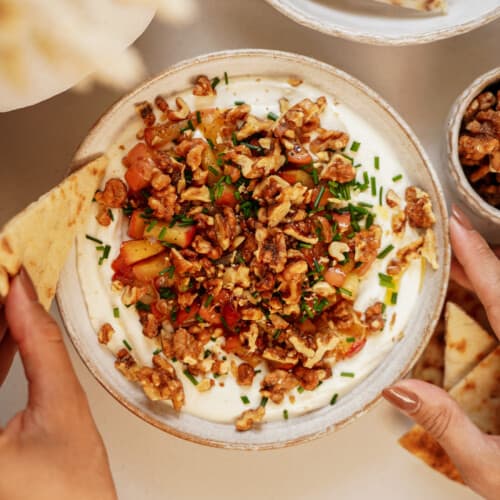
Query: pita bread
x: 421, y: 5
x: 430, y: 366
x: 478, y: 394
x: 40, y: 237
x: 466, y: 344
x: 421, y: 444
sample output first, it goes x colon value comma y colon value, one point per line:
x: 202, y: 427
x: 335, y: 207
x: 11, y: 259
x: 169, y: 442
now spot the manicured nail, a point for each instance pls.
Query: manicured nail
x: 27, y: 284
x: 406, y: 401
x: 461, y: 218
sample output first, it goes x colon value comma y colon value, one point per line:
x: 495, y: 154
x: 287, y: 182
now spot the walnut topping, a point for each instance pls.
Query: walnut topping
x: 249, y: 418
x: 181, y: 113
x: 245, y: 374
x: 114, y: 194
x: 203, y: 87
x: 392, y: 199
x: 277, y: 384
x: 419, y: 208
x: 105, y: 333
x: 338, y: 169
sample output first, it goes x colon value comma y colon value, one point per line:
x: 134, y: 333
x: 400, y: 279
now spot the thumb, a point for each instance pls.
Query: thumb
x: 433, y: 409
x: 46, y: 362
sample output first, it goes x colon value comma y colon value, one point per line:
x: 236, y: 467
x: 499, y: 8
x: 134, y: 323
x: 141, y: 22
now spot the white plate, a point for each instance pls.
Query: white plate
x: 378, y: 24
x: 362, y: 101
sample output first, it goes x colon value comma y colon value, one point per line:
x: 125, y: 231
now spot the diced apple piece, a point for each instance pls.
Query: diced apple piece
x: 212, y: 121
x: 148, y: 270
x: 178, y: 235
x: 351, y: 284
x: 297, y: 175
x: 136, y: 225
x: 139, y: 174
x: 136, y: 250
x: 227, y: 198
x: 299, y: 155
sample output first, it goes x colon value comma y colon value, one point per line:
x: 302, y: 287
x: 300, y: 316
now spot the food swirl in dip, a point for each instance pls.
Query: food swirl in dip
x: 250, y: 252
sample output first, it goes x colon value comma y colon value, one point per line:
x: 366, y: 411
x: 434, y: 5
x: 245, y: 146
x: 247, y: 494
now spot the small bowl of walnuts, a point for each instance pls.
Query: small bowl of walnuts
x: 474, y: 146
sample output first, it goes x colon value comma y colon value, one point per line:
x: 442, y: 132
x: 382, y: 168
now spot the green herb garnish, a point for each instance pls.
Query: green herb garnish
x: 388, y: 249
x: 347, y: 374
x: 272, y: 116
x: 355, y: 146
x: 127, y: 345
x: 245, y: 400
x: 190, y: 376
x: 91, y: 238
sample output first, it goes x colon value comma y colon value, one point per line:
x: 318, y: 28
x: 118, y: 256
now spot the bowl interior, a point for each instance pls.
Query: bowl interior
x: 424, y: 314
x: 372, y: 22
x: 474, y: 201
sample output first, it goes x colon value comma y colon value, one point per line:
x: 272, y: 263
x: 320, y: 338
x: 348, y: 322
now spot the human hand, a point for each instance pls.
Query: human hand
x: 52, y: 449
x: 475, y: 454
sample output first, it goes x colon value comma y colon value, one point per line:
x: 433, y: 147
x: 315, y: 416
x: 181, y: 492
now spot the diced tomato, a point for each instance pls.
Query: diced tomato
x: 335, y: 276
x: 231, y: 315
x: 183, y: 316
x: 356, y: 347
x: 343, y: 221
x: 139, y: 175
x: 136, y: 225
x: 233, y: 344
x: 123, y: 271
x: 227, y: 198
x: 139, y: 152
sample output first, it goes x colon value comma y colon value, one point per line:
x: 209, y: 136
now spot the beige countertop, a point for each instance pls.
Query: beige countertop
x: 363, y: 459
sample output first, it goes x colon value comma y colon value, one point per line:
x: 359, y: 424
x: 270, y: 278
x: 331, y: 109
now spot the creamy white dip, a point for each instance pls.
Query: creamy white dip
x: 224, y: 403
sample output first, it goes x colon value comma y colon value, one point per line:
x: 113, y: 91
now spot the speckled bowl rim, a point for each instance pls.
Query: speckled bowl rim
x: 462, y: 184
x: 440, y: 209
x: 339, y: 31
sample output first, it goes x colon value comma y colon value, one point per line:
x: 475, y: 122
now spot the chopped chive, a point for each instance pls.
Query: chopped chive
x: 199, y: 318
x: 141, y: 306
x: 334, y: 399
x: 276, y: 334
x: 365, y: 205
x: 208, y: 301
x: 369, y: 221
x: 385, y: 251
x: 350, y: 339
x: 272, y: 116
x: 373, y: 183
x: 394, y: 298
x: 239, y: 103
x: 347, y: 374
x: 190, y: 376
x: 127, y: 345
x: 385, y: 280
x: 285, y: 414
x: 226, y: 78
x: 350, y: 158
x: 263, y: 402
x: 355, y: 146
x: 161, y: 235
x: 210, y: 143
x: 376, y: 162
x: 110, y: 213
x: 300, y: 389
x: 207, y: 353
x: 213, y: 170
x: 91, y: 238
x: 318, y: 198
x: 151, y: 225
x: 345, y: 291
x: 301, y: 244
x: 116, y: 312
x: 397, y: 178
x: 380, y: 194
x: 314, y: 174
x: 234, y: 139
x: 157, y: 351
x: 245, y: 400
x: 215, y: 82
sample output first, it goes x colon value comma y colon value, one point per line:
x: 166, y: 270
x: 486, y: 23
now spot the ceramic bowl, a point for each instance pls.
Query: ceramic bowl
x: 378, y: 24
x: 479, y: 207
x: 424, y: 315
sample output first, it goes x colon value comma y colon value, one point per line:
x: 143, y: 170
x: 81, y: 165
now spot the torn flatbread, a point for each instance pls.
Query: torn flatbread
x: 430, y: 366
x: 466, y: 344
x: 421, y: 444
x: 478, y: 394
x: 421, y: 5
x: 40, y: 237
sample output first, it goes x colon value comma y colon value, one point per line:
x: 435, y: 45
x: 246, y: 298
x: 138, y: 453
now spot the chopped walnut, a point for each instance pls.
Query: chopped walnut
x: 338, y: 169
x: 419, y: 208
x: 203, y: 87
x: 245, y: 374
x: 105, y: 333
x: 392, y: 199
x: 277, y: 384
x: 249, y: 418
x: 374, y: 317
x: 114, y: 194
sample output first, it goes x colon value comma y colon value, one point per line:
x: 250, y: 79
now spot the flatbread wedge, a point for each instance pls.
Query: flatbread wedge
x: 466, y: 344
x: 430, y: 366
x: 421, y: 5
x: 478, y: 394
x: 421, y: 444
x: 40, y: 237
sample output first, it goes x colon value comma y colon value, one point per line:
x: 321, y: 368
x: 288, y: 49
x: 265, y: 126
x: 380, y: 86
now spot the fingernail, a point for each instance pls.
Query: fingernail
x: 461, y: 218
x: 406, y: 401
x: 27, y: 284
